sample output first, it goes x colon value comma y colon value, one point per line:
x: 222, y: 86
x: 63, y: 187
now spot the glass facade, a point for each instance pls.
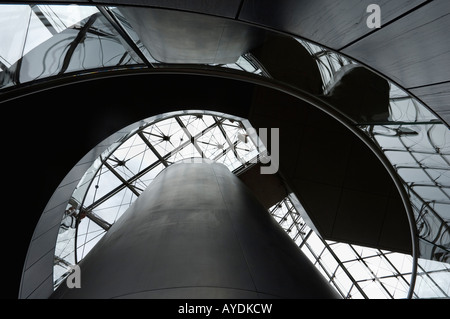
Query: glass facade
x: 417, y: 144
x: 360, y: 272
x: 41, y: 42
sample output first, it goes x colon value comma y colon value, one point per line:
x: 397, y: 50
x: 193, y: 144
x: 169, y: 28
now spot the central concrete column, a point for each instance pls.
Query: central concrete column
x: 197, y: 232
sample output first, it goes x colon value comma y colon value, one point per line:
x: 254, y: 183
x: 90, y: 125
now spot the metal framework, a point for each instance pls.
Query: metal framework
x: 360, y: 272
x: 417, y: 145
x: 123, y: 173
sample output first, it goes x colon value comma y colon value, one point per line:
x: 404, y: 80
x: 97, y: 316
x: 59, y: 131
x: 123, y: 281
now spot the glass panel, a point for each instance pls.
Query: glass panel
x: 165, y: 136
x: 422, y: 163
x: 64, y: 251
x: 358, y: 270
x: 85, y: 182
x: 374, y: 290
x: 213, y: 143
x: 62, y: 17
x: 104, y: 182
x: 197, y: 123
x: 148, y: 177
x: 308, y: 254
x: 316, y: 241
x: 397, y: 288
x: 408, y: 110
x: 44, y: 41
x: 368, y: 272
x: 244, y: 64
x: 379, y: 266
x: 355, y: 294
x: 399, y: 157
x: 112, y: 209
x: 186, y: 152
x: 343, y: 252
x: 443, y: 209
x: 432, y: 280
x: 329, y: 262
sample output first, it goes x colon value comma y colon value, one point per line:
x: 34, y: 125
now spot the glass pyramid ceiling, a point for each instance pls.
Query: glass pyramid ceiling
x: 44, y: 42
x: 125, y: 170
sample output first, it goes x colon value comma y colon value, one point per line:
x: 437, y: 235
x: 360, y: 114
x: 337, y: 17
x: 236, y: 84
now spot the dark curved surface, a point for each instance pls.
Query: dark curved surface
x: 345, y: 189
x: 96, y: 108
x: 197, y: 228
x: 410, y: 48
x: 360, y: 94
x: 60, y: 124
x: 286, y: 60
x: 172, y: 36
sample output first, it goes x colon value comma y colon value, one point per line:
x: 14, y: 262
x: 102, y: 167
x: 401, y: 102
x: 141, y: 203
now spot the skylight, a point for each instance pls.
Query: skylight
x: 125, y: 170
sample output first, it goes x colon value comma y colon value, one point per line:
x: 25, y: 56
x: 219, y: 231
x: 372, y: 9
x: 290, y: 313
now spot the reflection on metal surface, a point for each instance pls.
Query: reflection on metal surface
x: 59, y: 43
x: 40, y: 42
x: 52, y: 40
x: 417, y: 144
x: 172, y: 36
x: 421, y: 156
